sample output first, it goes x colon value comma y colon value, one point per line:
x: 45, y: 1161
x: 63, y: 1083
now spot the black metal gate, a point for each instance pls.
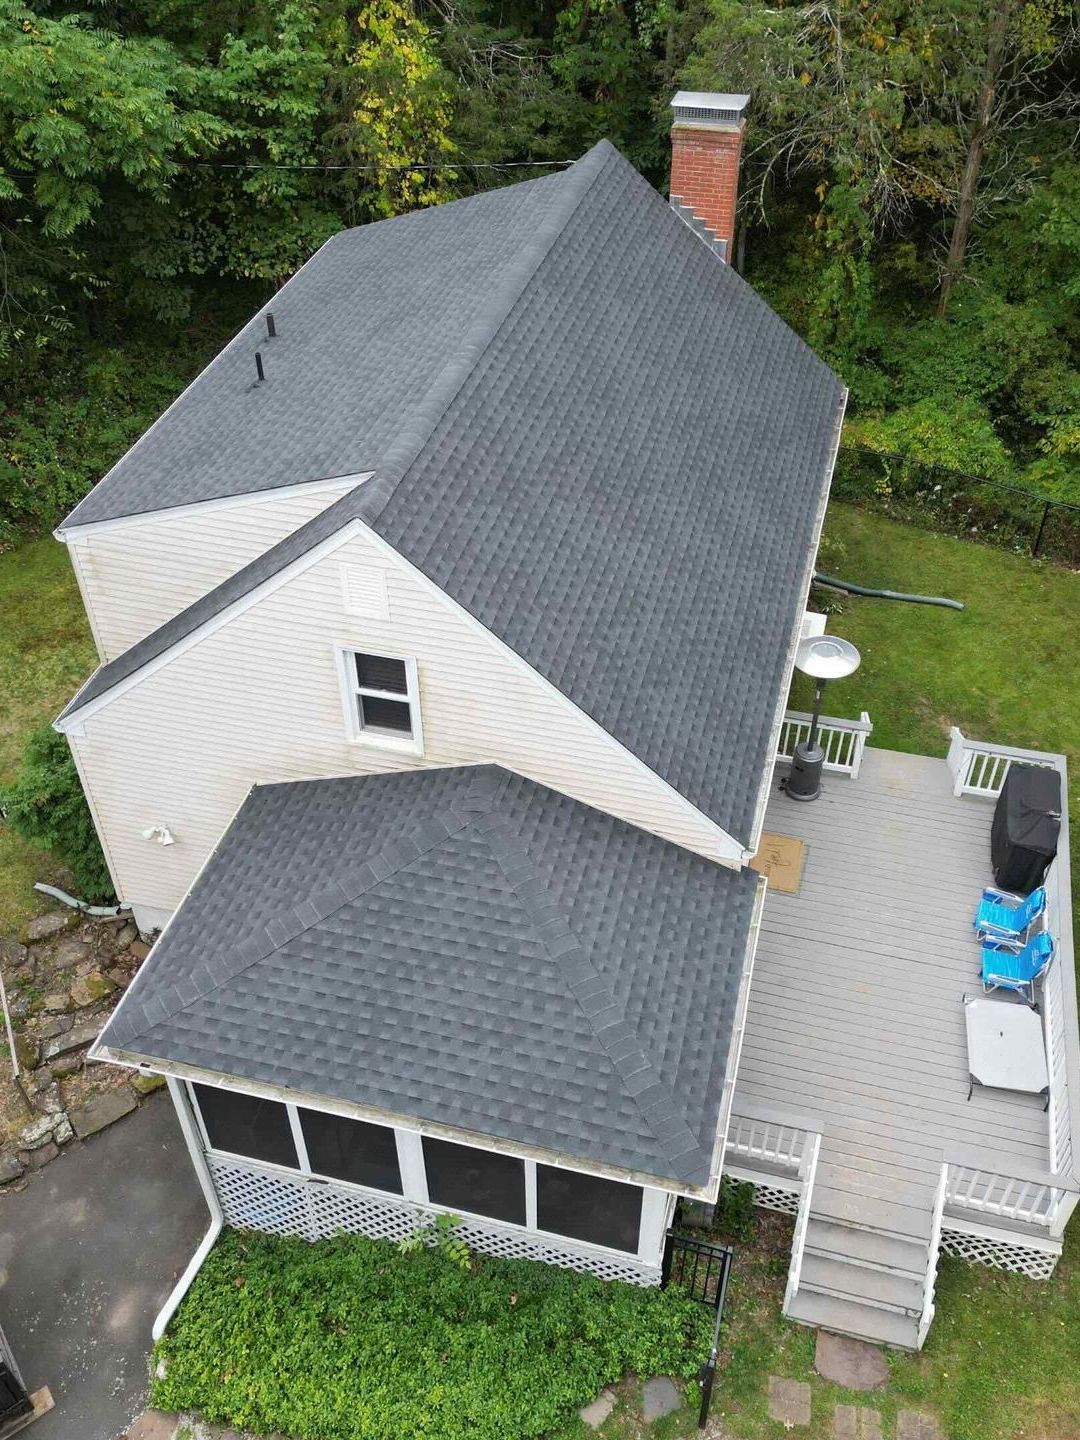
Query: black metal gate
x: 701, y: 1268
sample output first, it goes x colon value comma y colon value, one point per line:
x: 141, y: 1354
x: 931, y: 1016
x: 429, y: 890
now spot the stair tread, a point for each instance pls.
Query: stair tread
x: 849, y: 1317
x: 858, y: 1282
x: 867, y: 1247
x: 909, y: 1222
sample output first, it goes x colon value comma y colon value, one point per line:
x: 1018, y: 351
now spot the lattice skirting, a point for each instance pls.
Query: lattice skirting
x: 775, y: 1197
x: 253, y: 1198
x: 1001, y: 1254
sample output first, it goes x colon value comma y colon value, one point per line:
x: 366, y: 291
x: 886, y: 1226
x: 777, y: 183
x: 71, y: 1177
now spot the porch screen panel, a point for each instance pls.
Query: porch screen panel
x: 247, y: 1125
x: 586, y: 1207
x: 464, y: 1178
x: 351, y: 1150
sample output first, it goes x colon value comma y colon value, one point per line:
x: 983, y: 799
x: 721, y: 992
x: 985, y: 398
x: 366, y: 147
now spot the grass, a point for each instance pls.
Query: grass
x: 45, y: 652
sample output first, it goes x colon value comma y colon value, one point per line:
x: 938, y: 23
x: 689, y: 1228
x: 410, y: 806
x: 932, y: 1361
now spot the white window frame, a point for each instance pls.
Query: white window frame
x: 656, y: 1205
x: 351, y: 690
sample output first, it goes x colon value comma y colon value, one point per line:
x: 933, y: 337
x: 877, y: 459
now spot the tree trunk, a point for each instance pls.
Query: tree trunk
x: 969, y: 181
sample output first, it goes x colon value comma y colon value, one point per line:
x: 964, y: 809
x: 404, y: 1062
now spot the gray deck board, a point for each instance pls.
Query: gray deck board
x: 858, y: 1020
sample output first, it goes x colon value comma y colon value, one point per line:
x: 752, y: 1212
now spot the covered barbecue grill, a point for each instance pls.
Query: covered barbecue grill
x: 1027, y: 821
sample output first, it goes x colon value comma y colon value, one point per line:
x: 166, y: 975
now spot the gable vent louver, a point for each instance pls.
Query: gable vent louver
x: 364, y: 592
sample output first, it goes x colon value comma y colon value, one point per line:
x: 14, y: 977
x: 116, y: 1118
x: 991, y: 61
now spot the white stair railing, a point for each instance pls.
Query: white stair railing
x: 930, y: 1279
x: 843, y: 741
x: 807, y: 1171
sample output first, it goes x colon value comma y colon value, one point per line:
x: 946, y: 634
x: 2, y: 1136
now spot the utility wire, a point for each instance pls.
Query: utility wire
x: 441, y: 165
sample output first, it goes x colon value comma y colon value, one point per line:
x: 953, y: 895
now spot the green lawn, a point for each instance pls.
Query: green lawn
x: 45, y: 652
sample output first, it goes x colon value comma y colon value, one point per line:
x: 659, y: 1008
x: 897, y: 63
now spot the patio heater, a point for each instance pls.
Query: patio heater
x: 823, y: 658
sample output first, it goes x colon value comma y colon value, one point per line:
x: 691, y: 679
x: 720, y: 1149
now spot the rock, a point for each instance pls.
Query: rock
x: 855, y: 1364
x: 660, y: 1397
x: 153, y: 1425
x: 789, y: 1401
x: 146, y: 1084
x: 63, y: 1132
x: 125, y: 935
x: 37, y: 1132
x: 69, y: 953
x: 34, y: 1081
x: 20, y: 1005
x: 91, y: 989
x: 57, y: 1002
x: 49, y: 1029
x: 595, y: 1414
x: 120, y: 978
x: 138, y: 949
x: 11, y: 1167
x: 43, y: 1154
x: 27, y: 1052
x: 13, y: 956
x: 48, y: 1100
x: 73, y: 1039
x: 42, y: 926
x: 101, y: 1110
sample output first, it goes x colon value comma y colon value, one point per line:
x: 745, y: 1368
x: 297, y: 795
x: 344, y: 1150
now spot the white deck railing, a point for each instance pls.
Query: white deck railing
x: 807, y: 1171
x: 758, y: 1140
x: 930, y: 1279
x: 843, y: 741
x: 979, y: 768
x: 1006, y: 1192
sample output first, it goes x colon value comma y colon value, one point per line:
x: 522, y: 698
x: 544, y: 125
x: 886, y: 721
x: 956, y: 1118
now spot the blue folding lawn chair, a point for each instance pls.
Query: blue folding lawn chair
x: 1002, y: 916
x: 1004, y: 967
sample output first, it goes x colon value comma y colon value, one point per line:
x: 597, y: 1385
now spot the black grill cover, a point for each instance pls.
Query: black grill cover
x: 1027, y: 819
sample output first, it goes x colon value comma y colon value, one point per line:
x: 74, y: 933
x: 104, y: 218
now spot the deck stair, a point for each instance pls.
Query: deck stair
x: 865, y: 1259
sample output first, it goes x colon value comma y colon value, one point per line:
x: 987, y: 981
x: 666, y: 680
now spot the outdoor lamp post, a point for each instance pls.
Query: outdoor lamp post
x: 823, y: 658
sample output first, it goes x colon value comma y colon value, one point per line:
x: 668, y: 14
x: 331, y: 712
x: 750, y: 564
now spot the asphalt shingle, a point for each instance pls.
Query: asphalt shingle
x: 533, y: 970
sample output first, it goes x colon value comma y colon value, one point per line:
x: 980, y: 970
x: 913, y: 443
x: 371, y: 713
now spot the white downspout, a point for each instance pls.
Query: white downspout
x: 217, y: 1219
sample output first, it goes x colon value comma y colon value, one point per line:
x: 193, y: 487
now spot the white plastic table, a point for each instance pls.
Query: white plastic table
x: 1005, y: 1046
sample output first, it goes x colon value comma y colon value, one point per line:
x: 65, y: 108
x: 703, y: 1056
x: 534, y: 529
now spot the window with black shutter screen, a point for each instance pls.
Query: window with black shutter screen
x: 353, y: 1150
x: 464, y: 1178
x: 246, y: 1125
x: 587, y: 1207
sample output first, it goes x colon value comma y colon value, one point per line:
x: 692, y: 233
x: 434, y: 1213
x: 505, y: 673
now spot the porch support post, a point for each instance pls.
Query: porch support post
x: 656, y: 1209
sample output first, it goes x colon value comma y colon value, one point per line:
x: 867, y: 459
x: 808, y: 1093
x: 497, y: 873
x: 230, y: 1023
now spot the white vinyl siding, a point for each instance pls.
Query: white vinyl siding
x: 258, y: 699
x: 137, y: 575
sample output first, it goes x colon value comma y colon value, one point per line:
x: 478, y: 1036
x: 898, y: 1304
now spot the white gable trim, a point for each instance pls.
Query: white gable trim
x: 729, y: 850
x: 75, y: 534
x: 73, y: 723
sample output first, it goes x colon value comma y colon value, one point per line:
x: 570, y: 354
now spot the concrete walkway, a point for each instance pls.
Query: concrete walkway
x: 88, y: 1252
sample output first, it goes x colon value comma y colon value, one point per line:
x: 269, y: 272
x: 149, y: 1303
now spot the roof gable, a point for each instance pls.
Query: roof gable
x: 621, y: 473
x: 464, y: 946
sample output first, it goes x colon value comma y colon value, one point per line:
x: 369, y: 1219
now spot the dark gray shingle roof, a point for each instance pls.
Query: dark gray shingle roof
x: 466, y: 947
x: 619, y: 474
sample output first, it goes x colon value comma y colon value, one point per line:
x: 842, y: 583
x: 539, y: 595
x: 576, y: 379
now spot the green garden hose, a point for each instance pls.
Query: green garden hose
x: 830, y: 582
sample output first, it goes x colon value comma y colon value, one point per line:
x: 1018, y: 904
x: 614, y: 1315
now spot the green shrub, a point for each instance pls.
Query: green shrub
x: 46, y: 805
x: 349, y: 1338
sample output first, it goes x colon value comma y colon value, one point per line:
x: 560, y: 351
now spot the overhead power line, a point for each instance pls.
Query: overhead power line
x: 441, y: 165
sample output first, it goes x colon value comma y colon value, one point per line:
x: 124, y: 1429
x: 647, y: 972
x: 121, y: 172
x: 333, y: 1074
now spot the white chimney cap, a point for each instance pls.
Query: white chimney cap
x: 705, y: 106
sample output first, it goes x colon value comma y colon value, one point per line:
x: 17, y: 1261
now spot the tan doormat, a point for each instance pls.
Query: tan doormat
x: 780, y: 859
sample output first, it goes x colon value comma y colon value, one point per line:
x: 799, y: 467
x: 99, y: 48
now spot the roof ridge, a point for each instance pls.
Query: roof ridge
x: 320, y: 903
x: 592, y: 991
x: 415, y: 433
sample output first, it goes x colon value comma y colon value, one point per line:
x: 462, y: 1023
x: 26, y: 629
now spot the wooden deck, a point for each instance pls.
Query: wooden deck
x: 855, y: 1010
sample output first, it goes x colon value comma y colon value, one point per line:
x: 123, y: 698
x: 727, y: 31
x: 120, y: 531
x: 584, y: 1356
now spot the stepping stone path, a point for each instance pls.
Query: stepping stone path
x: 854, y: 1364
x: 914, y: 1425
x: 789, y: 1401
x: 595, y: 1414
x: 660, y: 1397
x: 857, y: 1422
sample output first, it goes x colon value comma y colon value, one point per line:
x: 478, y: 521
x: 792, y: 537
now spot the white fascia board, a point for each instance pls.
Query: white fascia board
x: 733, y: 851
x: 75, y: 534
x: 75, y: 721
x: 796, y: 635
x: 374, y: 1115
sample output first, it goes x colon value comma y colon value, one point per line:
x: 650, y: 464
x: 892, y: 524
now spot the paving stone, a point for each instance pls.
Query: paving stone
x: 70, y: 952
x: 49, y: 1029
x: 789, y: 1401
x: 856, y: 1422
x: 660, y: 1396
x: 56, y: 1003
x: 89, y: 989
x: 153, y: 1425
x: 101, y: 1110
x: 43, y: 1154
x: 11, y: 1167
x: 916, y: 1425
x: 78, y: 1035
x: 854, y: 1364
x: 42, y: 926
x: 595, y: 1414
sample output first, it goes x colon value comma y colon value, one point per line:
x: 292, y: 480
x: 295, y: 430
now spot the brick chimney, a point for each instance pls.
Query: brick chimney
x: 706, y: 146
